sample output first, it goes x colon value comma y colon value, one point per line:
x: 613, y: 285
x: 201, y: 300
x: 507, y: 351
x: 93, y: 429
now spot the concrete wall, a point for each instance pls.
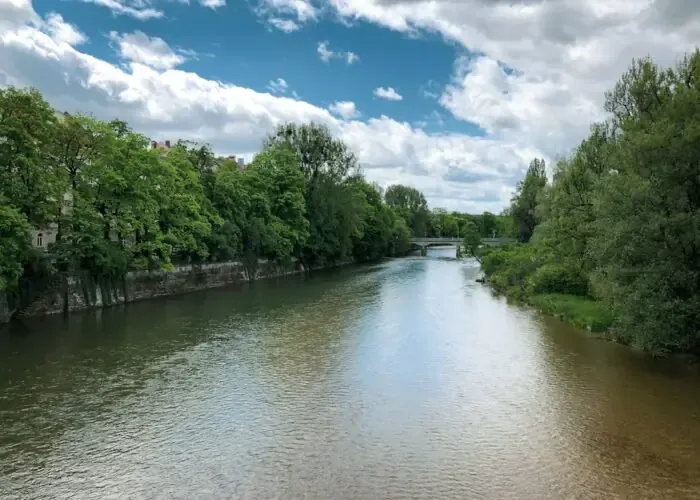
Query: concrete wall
x: 76, y: 293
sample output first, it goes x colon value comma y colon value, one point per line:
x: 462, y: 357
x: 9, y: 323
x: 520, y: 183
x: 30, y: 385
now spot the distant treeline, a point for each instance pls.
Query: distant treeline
x: 613, y: 241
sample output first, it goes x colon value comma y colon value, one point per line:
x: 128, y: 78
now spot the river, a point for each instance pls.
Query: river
x: 400, y: 380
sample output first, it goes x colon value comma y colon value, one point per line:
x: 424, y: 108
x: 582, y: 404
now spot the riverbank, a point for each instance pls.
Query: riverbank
x: 551, y: 289
x: 66, y: 293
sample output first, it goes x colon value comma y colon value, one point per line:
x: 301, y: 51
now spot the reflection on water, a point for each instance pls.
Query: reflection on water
x: 400, y: 380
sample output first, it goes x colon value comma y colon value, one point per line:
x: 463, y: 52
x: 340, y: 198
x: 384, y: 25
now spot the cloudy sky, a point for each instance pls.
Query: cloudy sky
x: 453, y: 97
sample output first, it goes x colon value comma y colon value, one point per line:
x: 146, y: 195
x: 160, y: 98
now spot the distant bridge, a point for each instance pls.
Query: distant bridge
x: 424, y: 243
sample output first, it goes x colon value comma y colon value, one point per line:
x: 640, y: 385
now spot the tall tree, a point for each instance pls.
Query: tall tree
x: 410, y: 204
x: 524, y: 203
x: 27, y: 176
x: 332, y: 206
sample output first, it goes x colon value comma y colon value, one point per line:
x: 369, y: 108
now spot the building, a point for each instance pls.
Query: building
x: 238, y: 161
x: 160, y: 145
x: 44, y: 236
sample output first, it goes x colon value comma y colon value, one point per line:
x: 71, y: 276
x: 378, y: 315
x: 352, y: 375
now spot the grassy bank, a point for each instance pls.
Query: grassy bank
x: 582, y: 312
x: 519, y: 273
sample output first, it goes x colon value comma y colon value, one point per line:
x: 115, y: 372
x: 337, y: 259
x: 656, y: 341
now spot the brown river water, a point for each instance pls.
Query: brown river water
x: 402, y: 380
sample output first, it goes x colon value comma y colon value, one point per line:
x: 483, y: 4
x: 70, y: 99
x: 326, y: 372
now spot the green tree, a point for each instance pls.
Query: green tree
x: 14, y: 244
x: 646, y: 238
x: 230, y: 198
x: 275, y: 175
x: 185, y: 218
x: 488, y: 225
x: 333, y: 207
x: 410, y: 204
x: 27, y: 177
x: 377, y: 237
x: 524, y: 203
x: 566, y: 208
x: 472, y: 240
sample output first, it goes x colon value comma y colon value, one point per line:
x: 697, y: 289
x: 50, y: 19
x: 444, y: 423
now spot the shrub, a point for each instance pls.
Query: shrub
x: 558, y: 278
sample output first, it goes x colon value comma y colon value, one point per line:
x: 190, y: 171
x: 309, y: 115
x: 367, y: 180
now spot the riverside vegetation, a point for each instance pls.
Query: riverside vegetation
x: 120, y: 205
x: 612, y: 243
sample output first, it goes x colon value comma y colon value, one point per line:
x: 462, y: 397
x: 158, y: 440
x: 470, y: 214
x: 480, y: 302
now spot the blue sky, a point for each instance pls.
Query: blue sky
x: 235, y: 45
x: 485, y: 86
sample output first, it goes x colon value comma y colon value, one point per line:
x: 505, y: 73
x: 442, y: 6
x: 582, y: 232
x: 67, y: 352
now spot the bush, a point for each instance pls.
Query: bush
x: 558, y: 278
x: 510, y: 268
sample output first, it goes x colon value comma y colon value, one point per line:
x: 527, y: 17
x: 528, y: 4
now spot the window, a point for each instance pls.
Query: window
x: 40, y: 240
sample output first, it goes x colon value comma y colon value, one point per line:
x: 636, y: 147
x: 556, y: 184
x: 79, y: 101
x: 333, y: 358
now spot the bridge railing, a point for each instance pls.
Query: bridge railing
x: 437, y: 240
x: 450, y: 239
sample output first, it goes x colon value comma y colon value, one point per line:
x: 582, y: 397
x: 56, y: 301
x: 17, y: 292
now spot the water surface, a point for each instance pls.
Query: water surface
x: 400, y: 380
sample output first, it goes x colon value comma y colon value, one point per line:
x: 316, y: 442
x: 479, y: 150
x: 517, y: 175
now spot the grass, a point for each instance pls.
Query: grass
x: 582, y: 312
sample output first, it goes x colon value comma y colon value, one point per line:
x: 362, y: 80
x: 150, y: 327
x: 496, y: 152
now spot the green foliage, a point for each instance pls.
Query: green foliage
x: 510, y: 267
x: 472, y: 240
x: 120, y: 205
x: 582, y: 312
x: 527, y: 195
x: 14, y: 244
x: 558, y: 278
x: 333, y: 208
x: 28, y: 181
x: 620, y: 221
x: 409, y: 204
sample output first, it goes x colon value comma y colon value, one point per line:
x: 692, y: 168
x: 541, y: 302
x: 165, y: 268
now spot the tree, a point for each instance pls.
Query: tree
x: 375, y: 241
x: 410, y: 204
x: 332, y: 206
x: 566, y: 207
x: 276, y: 176
x: 27, y: 177
x: 230, y: 198
x: 524, y: 203
x: 472, y: 240
x: 14, y: 244
x: 318, y: 152
x: 488, y: 225
x: 646, y: 238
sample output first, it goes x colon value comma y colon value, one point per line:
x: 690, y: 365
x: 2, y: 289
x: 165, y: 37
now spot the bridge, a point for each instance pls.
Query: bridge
x: 424, y: 243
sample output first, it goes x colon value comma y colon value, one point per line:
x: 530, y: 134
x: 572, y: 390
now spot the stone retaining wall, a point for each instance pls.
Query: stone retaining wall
x: 80, y: 292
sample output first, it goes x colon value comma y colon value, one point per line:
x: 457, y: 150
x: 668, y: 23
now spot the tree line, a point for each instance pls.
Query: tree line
x: 117, y: 204
x: 614, y: 236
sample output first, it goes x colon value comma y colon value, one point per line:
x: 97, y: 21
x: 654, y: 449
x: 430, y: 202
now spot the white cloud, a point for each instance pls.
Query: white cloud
x: 138, y: 9
x: 14, y: 13
x: 62, y: 32
x: 278, y: 86
x: 345, y: 109
x: 387, y: 93
x: 326, y: 54
x: 212, y: 4
x: 137, y: 47
x: 566, y: 54
x: 286, y: 25
x: 301, y: 10
x: 454, y: 170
